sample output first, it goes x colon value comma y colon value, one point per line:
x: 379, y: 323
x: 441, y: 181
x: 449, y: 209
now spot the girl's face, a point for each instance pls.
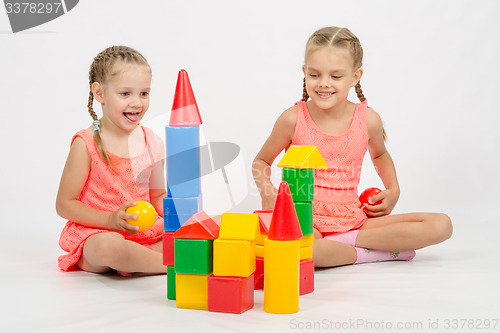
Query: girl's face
x: 329, y: 75
x: 125, y: 95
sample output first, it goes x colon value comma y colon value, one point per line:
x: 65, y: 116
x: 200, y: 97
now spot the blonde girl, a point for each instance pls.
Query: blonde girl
x: 344, y: 232
x: 112, y: 164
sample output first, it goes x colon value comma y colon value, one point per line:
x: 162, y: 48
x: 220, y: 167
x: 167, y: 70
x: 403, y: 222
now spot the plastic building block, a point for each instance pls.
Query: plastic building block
x: 233, y: 257
x: 264, y: 220
x: 259, y: 251
x: 304, y: 211
x: 168, y: 249
x: 193, y: 256
x: 306, y: 284
x: 192, y: 291
x: 260, y: 239
x: 306, y: 252
x: 184, y: 109
x: 183, y: 161
x: 284, y: 222
x: 281, y: 278
x: 306, y: 241
x: 239, y: 226
x: 303, y: 157
x: 301, y: 183
x: 171, y: 282
x: 230, y: 294
x: 258, y: 275
x: 199, y: 226
x: 177, y: 211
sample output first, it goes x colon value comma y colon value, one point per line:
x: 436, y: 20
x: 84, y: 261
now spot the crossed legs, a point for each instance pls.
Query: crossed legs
x: 110, y: 250
x: 405, y: 232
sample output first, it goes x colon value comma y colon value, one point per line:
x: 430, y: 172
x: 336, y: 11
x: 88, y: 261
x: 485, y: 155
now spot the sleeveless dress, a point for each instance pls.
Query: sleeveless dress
x: 336, y: 207
x: 106, y: 189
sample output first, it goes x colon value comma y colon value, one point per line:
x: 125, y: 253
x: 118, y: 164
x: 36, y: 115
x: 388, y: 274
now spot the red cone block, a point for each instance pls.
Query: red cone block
x: 284, y: 223
x: 184, y: 109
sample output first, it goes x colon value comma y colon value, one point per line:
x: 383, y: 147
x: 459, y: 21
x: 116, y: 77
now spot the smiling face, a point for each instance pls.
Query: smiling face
x: 124, y: 96
x: 330, y: 73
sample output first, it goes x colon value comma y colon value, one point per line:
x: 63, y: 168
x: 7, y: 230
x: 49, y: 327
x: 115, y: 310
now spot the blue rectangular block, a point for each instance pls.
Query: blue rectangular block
x: 183, y: 161
x: 176, y: 211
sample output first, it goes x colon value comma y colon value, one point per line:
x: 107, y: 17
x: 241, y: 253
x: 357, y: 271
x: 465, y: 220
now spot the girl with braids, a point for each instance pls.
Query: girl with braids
x: 112, y: 164
x: 343, y: 131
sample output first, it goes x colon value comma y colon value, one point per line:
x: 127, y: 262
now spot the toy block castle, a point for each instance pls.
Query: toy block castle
x: 298, y: 165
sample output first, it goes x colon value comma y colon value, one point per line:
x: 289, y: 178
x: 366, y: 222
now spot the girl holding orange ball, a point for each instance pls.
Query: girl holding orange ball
x: 113, y: 171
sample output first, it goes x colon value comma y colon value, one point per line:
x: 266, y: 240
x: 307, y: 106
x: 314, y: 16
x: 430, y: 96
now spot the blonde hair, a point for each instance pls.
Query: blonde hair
x: 337, y: 37
x: 100, y: 71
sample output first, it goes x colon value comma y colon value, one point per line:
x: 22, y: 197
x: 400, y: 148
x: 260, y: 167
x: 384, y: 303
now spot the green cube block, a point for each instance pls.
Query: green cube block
x: 304, y: 211
x: 171, y: 282
x: 301, y: 183
x: 193, y: 256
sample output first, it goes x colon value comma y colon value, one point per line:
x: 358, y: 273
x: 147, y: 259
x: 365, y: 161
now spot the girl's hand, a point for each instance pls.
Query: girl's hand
x: 116, y: 220
x: 389, y: 199
x: 269, y: 199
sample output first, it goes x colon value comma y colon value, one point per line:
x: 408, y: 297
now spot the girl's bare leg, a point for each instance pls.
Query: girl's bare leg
x: 404, y: 232
x: 328, y: 253
x: 109, y: 250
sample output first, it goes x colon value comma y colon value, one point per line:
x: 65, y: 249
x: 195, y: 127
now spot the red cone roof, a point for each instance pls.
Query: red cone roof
x: 184, y: 109
x: 284, y: 223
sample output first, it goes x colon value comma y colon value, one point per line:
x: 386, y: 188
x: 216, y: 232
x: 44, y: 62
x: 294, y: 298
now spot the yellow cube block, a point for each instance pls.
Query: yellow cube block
x: 306, y: 241
x: 191, y: 291
x: 306, y: 253
x: 281, y: 278
x: 233, y: 258
x: 260, y: 239
x: 259, y: 251
x: 240, y: 226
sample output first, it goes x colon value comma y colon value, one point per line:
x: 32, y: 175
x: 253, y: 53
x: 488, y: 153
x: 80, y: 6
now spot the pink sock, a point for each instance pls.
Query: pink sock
x: 348, y: 237
x: 368, y: 255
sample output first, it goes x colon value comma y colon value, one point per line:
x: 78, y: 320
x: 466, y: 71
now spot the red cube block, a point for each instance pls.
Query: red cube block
x: 306, y: 278
x: 259, y: 273
x: 230, y: 294
x: 168, y: 248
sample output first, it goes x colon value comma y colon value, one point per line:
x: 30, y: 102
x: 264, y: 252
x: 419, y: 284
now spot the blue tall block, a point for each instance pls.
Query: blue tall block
x: 176, y: 211
x: 183, y: 161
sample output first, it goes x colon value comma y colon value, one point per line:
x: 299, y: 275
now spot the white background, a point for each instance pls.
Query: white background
x: 431, y: 70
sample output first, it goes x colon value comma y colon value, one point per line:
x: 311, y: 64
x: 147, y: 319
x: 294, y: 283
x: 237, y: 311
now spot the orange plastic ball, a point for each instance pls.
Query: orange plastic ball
x: 146, y: 215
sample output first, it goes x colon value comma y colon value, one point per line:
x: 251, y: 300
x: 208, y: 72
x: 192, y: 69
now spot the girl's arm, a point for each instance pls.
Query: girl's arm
x: 281, y: 136
x: 69, y: 206
x: 157, y: 181
x: 384, y: 166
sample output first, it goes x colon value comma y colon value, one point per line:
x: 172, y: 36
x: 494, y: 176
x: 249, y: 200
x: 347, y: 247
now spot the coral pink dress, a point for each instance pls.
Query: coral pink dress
x: 336, y: 207
x: 107, y: 190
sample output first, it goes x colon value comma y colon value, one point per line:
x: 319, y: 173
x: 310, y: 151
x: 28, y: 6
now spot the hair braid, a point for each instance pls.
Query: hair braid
x: 305, y: 95
x: 359, y: 92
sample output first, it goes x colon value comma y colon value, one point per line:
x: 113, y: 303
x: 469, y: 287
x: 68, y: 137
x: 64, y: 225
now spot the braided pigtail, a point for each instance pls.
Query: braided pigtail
x: 359, y: 92
x: 305, y: 95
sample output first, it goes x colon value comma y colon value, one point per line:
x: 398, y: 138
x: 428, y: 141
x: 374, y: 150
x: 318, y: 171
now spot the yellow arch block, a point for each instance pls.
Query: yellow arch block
x: 281, y: 278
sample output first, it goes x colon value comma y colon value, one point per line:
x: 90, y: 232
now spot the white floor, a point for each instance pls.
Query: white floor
x: 452, y: 285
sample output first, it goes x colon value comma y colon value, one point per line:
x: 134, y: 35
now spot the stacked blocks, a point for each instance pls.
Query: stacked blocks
x: 264, y: 223
x: 231, y: 287
x: 298, y: 166
x: 183, y: 170
x: 281, y: 256
x: 193, y: 262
